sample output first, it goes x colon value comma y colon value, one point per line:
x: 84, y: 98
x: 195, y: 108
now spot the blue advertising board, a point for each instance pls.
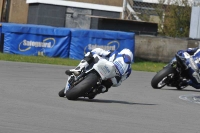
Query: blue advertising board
x: 36, y: 40
x: 1, y: 43
x: 83, y: 41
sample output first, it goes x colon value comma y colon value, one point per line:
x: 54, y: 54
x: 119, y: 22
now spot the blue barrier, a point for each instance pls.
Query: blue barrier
x: 83, y: 41
x: 27, y: 39
x: 1, y: 42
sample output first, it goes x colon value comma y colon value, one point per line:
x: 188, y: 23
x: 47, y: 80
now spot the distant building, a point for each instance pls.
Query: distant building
x: 72, y: 14
x: 15, y: 11
x: 86, y: 14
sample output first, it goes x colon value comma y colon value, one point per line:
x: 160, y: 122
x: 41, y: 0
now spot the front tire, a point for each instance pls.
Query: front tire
x: 159, y: 79
x: 81, y: 88
x: 61, y: 93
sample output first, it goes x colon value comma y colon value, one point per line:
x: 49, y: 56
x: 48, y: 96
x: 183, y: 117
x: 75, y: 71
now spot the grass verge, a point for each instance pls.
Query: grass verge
x: 138, y: 65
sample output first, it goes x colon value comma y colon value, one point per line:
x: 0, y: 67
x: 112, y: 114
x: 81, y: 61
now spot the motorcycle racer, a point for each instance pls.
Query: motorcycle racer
x: 122, y: 61
x: 193, y: 66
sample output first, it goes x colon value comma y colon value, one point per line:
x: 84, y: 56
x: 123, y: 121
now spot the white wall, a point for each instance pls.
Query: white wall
x: 78, y: 5
x: 166, y: 1
x: 148, y: 1
x: 195, y: 23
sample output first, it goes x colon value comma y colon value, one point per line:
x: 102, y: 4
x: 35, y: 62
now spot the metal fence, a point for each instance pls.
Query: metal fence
x: 145, y: 11
x: 196, y: 3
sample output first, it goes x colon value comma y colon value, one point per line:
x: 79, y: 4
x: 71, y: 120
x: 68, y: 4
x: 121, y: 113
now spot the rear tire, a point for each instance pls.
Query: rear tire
x: 81, y: 88
x: 156, y: 82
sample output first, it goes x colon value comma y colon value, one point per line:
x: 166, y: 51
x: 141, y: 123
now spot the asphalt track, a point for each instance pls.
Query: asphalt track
x: 29, y: 103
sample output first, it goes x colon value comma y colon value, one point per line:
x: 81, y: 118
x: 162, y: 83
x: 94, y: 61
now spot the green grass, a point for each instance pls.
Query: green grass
x: 138, y: 65
x: 149, y: 66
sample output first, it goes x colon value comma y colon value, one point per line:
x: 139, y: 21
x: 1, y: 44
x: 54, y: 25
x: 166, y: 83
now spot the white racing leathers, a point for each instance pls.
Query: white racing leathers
x: 123, y: 69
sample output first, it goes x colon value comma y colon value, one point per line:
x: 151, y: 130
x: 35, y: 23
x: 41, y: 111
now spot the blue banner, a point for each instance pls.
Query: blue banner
x: 34, y: 29
x: 30, y: 44
x: 28, y: 39
x: 36, y: 40
x: 1, y: 43
x: 83, y: 41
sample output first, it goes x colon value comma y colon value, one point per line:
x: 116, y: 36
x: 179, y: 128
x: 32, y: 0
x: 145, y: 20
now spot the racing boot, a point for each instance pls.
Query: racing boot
x: 82, y: 65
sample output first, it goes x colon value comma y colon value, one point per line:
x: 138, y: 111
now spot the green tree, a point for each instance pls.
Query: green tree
x: 176, y: 22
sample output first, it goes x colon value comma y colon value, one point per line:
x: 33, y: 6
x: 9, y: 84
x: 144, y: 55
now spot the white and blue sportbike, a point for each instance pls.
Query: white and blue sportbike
x: 182, y: 71
x: 172, y: 75
x: 88, y: 82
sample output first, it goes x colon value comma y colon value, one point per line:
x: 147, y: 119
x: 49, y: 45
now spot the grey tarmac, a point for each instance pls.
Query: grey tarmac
x: 29, y: 103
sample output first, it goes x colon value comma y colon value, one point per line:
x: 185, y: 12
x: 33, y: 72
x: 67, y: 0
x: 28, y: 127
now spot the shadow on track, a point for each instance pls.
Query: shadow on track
x: 111, y: 101
x: 183, y: 90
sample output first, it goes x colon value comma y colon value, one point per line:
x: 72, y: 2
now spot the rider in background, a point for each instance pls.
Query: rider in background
x: 122, y: 61
x: 192, y: 69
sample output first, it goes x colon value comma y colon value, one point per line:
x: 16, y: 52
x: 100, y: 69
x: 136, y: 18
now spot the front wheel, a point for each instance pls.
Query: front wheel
x: 159, y: 80
x: 61, y: 93
x: 80, y: 89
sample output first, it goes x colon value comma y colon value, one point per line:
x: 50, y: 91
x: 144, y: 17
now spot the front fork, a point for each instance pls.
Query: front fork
x: 67, y: 86
x: 70, y: 80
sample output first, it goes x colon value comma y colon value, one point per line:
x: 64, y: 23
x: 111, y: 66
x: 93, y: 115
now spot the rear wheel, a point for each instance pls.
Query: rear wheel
x: 83, y: 87
x: 159, y: 80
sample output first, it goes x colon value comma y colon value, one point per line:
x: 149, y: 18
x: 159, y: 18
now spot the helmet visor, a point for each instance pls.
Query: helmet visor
x: 127, y: 59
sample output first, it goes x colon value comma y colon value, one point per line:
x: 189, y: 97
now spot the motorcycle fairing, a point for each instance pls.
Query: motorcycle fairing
x: 105, y: 69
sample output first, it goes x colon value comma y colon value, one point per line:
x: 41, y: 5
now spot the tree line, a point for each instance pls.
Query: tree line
x: 174, y: 18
